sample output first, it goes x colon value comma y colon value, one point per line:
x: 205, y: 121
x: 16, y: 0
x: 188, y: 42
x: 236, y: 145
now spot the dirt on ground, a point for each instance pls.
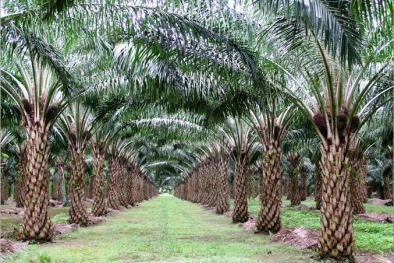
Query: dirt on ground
x: 377, y: 201
x: 250, y: 225
x: 307, y: 239
x: 377, y: 217
x: 13, y: 211
x: 228, y: 214
x: 9, y: 247
x: 300, y: 237
x: 63, y: 228
x: 93, y: 220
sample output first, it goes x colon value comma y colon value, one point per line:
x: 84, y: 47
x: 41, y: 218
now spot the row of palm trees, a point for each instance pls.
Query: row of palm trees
x: 43, y: 107
x: 128, y: 61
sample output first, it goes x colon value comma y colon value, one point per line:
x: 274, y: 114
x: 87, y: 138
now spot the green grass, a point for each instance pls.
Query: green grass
x: 165, y: 229
x: 370, y: 236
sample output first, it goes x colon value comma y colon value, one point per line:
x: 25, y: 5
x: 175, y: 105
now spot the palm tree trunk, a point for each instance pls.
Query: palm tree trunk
x: 303, y: 186
x: 289, y: 187
x: 19, y: 185
x: 129, y: 183
x: 240, y: 213
x: 250, y: 187
x: 113, y: 200
x: 133, y: 188
x: 318, y: 184
x: 336, y: 216
x: 223, y: 204
x: 77, y: 212
x: 122, y: 194
x: 270, y: 192
x: 356, y: 194
x: 232, y: 190
x: 4, y: 188
x: 386, y: 188
x: 295, y: 195
x: 357, y: 186
x: 99, y: 205
x: 88, y: 187
x: 363, y: 179
x: 61, y: 182
x: 55, y: 189
x: 36, y: 223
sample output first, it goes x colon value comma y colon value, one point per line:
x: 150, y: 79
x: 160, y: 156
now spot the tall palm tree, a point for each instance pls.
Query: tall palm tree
x: 271, y: 127
x: 76, y: 126
x: 6, y: 138
x: 114, y: 184
x: 241, y: 144
x: 337, y: 105
x: 37, y: 95
x: 98, y: 148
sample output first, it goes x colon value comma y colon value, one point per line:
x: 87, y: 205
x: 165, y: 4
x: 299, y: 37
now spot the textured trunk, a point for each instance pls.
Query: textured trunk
x: 318, y: 184
x: 77, y: 212
x: 223, y: 204
x: 61, y: 182
x: 19, y: 184
x: 294, y: 160
x: 4, y: 188
x: 289, y: 189
x: 89, y: 187
x: 386, y: 188
x: 295, y: 194
x: 336, y: 215
x: 240, y: 213
x: 205, y: 195
x: 250, y: 187
x: 99, y: 205
x: 357, y: 186
x: 122, y: 187
x: 145, y: 189
x: 55, y: 189
x: 232, y: 190
x: 129, y: 183
x: 113, y: 199
x: 270, y: 192
x: 133, y: 188
x: 141, y: 189
x: 363, y: 178
x: 36, y: 223
x: 215, y: 185
x: 303, y: 186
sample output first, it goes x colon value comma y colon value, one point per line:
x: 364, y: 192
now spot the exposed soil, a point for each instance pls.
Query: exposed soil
x: 63, y: 228
x: 228, y: 214
x: 305, y: 208
x: 377, y: 217
x: 299, y: 237
x: 250, y: 225
x: 9, y: 247
x: 377, y: 201
x: 307, y: 239
x: 96, y: 220
x: 55, y: 203
x: 13, y: 211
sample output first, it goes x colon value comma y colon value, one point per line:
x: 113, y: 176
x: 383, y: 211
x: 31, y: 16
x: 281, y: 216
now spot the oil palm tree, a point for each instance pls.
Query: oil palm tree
x: 98, y: 148
x: 241, y: 144
x: 271, y: 127
x: 337, y: 103
x: 36, y: 93
x: 6, y: 139
x: 76, y: 125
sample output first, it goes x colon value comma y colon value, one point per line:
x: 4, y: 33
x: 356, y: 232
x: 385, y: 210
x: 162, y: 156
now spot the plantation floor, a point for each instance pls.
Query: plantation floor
x: 164, y: 229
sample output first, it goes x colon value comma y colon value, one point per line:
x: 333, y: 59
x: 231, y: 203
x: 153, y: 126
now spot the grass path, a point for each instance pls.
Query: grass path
x: 164, y: 229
